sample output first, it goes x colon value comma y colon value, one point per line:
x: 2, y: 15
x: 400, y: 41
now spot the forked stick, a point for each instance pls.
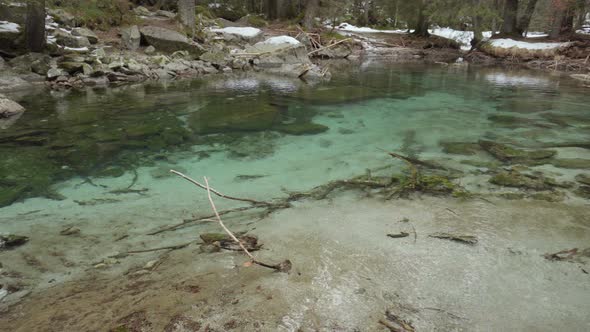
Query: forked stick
x: 284, y: 266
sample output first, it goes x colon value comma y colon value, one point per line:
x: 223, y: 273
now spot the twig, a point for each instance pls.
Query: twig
x: 135, y: 177
x: 282, y: 267
x: 329, y: 46
x: 187, y: 222
x: 252, y: 201
x: 176, y: 247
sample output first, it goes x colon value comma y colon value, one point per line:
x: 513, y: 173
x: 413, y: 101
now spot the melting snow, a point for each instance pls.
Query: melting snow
x: 281, y: 40
x: 352, y: 28
x: 509, y: 43
x: 9, y: 27
x: 247, y: 32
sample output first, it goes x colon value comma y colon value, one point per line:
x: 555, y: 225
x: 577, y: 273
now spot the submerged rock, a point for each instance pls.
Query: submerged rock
x: 583, y: 178
x: 303, y: 128
x: 462, y: 148
x: 583, y: 191
x: 233, y: 115
x: 506, y: 153
x: 519, y: 180
x: 574, y: 163
x: 11, y: 241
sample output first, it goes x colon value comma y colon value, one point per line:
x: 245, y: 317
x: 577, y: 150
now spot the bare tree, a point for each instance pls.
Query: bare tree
x: 525, y: 19
x: 35, y: 25
x: 186, y: 12
x: 311, y: 11
x: 510, y: 17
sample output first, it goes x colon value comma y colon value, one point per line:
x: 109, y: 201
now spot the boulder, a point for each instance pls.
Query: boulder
x: 239, y: 34
x: 54, y: 73
x: 131, y: 37
x: 150, y: 50
x: 64, y: 38
x: 9, y: 108
x: 83, y: 32
x: 71, y: 67
x: 165, y: 13
x: 62, y: 17
x: 169, y: 40
x: 12, y: 82
x: 142, y: 11
x: 24, y: 63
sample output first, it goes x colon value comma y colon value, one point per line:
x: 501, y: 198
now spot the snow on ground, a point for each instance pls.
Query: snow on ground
x: 9, y: 27
x: 281, y: 40
x: 510, y: 43
x: 247, y: 32
x: 462, y: 37
x: 536, y: 34
x: 351, y: 28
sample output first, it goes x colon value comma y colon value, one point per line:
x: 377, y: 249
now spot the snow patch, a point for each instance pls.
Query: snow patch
x: 351, y: 28
x: 510, y: 43
x: 247, y: 32
x: 462, y: 37
x: 281, y: 40
x: 9, y: 27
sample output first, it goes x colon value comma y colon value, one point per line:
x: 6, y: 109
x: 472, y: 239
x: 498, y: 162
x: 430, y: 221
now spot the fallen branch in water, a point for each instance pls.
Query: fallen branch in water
x: 176, y: 247
x: 252, y: 201
x: 284, y: 266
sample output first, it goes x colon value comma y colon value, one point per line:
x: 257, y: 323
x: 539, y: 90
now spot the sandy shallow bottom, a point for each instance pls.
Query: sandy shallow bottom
x: 346, y: 271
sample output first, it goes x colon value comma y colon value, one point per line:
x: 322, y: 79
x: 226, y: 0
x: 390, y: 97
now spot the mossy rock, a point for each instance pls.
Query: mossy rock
x: 302, y: 128
x: 572, y: 163
x: 436, y: 184
x: 9, y: 195
x: 583, y: 178
x: 549, y: 196
x: 516, y: 179
x: 583, y: 191
x: 462, y: 148
x: 233, y: 115
x: 507, y: 153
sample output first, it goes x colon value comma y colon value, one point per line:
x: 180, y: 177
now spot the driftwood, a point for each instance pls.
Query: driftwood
x: 467, y: 239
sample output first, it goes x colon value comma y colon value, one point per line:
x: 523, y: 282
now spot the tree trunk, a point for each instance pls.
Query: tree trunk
x: 35, y: 26
x: 272, y: 9
x: 421, y: 28
x: 525, y: 19
x: 510, y: 12
x: 563, y: 23
x: 477, y: 26
x: 186, y: 13
x: 311, y: 11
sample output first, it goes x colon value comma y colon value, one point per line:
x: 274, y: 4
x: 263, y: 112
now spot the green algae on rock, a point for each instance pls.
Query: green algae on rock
x: 573, y: 163
x: 233, y: 115
x: 507, y: 153
x: 462, y: 148
x: 519, y: 180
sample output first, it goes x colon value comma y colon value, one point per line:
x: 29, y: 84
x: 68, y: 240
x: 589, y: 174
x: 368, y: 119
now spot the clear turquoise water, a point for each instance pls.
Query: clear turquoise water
x: 99, y: 160
x: 97, y: 133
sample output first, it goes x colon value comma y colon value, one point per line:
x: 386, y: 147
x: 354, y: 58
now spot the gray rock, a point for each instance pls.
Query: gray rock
x: 176, y: 67
x: 11, y: 82
x: 23, y: 63
x: 62, y: 17
x: 150, y: 50
x: 203, y: 67
x: 71, y: 67
x: 9, y: 108
x: 142, y: 11
x: 83, y: 32
x: 54, y: 73
x: 169, y: 40
x: 65, y: 39
x: 87, y: 69
x: 131, y: 37
x: 165, y: 13
x: 217, y: 58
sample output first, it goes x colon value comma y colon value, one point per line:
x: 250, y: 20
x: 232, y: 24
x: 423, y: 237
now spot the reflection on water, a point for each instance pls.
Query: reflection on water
x: 106, y: 132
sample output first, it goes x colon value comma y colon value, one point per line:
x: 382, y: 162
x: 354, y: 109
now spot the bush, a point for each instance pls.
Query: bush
x: 97, y: 14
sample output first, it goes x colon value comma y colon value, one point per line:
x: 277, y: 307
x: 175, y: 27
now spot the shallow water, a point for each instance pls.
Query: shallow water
x: 98, y: 160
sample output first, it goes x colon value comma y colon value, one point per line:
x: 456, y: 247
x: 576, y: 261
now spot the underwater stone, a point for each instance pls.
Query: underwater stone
x: 506, y: 153
x: 575, y: 163
x: 11, y: 194
x: 306, y: 128
x: 110, y: 171
x: 462, y: 148
x: 583, y: 191
x: 10, y: 241
x: 518, y: 180
x: 233, y: 115
x: 508, y: 120
x: 549, y: 196
x: 583, y: 178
